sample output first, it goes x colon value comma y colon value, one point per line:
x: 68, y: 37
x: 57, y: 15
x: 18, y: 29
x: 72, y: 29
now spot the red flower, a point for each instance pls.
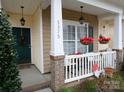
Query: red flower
x: 87, y: 40
x: 103, y: 40
x: 77, y: 53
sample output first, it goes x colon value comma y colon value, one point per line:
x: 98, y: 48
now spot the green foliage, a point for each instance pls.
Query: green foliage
x: 9, y: 74
x: 100, y: 36
x: 64, y: 89
x: 90, y: 86
x: 118, y: 77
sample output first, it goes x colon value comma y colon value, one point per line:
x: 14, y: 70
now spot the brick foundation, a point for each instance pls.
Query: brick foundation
x: 57, y: 72
x: 119, y: 54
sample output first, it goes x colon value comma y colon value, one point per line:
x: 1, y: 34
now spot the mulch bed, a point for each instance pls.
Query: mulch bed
x: 105, y: 84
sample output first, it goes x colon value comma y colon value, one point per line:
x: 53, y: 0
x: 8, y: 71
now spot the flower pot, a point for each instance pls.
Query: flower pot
x: 109, y: 71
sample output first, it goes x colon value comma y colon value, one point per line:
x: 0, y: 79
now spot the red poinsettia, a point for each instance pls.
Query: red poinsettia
x: 103, y: 40
x: 77, y: 53
x: 87, y: 40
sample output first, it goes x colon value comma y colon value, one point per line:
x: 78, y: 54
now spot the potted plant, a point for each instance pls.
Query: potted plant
x: 86, y: 40
x: 103, y: 40
x: 109, y: 71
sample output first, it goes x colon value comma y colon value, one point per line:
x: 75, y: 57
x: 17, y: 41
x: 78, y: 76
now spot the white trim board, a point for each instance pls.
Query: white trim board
x: 97, y: 3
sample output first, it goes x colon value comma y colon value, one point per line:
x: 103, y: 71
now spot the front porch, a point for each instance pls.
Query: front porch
x: 54, y: 43
x: 66, y: 66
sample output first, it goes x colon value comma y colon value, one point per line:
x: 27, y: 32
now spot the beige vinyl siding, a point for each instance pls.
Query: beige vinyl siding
x: 67, y: 15
x: 46, y: 40
x: 37, y: 51
x: 108, y: 31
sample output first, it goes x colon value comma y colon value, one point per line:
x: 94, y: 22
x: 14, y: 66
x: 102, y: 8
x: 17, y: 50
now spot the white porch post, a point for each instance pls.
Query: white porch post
x: 57, y: 50
x: 118, y: 32
x: 0, y: 4
x: 56, y: 28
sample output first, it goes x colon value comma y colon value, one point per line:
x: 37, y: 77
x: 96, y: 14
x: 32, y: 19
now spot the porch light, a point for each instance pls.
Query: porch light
x: 81, y: 19
x: 22, y: 20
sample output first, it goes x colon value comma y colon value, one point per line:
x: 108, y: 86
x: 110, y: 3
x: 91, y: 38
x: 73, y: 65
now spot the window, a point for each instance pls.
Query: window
x: 72, y: 32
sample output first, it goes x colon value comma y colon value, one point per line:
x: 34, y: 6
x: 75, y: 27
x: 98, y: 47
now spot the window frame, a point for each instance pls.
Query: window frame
x: 76, y: 24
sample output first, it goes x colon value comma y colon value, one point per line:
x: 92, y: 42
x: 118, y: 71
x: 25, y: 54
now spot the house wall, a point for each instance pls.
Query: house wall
x: 108, y: 31
x: 123, y: 32
x: 67, y: 15
x: 37, y: 48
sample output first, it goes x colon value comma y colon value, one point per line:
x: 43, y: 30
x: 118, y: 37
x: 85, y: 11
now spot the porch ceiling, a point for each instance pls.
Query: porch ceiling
x: 14, y: 6
x: 118, y: 3
x: 75, y: 5
x: 31, y: 5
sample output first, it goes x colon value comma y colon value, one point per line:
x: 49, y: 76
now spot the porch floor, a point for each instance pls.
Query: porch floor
x: 32, y: 78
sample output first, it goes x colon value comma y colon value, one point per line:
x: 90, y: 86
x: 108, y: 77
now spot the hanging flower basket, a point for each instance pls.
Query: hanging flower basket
x: 103, y: 40
x: 86, y: 41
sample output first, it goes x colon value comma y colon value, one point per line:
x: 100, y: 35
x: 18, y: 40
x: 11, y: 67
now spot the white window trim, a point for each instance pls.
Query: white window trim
x: 76, y: 23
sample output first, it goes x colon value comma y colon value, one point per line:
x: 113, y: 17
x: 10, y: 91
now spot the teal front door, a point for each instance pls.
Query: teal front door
x: 23, y: 45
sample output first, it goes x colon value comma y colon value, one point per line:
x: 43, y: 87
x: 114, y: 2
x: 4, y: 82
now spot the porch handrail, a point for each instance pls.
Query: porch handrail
x: 80, y: 66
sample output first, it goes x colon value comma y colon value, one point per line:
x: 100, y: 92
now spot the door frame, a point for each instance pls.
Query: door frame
x: 30, y: 39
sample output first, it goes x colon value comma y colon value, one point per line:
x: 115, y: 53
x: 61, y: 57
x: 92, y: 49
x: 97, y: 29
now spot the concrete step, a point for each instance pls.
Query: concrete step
x: 36, y: 87
x: 24, y: 66
x: 33, y: 80
x: 44, y: 90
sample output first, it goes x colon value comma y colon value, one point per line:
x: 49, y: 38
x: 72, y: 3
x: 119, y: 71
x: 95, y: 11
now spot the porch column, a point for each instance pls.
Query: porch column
x: 118, y: 32
x: 56, y: 28
x: 0, y: 4
x: 57, y: 51
x: 118, y: 46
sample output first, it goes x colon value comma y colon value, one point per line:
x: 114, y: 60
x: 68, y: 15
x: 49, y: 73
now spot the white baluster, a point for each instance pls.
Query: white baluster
x: 88, y: 66
x: 79, y: 66
x: 69, y: 68
x: 66, y: 68
x: 83, y: 65
x: 91, y: 64
x: 73, y: 63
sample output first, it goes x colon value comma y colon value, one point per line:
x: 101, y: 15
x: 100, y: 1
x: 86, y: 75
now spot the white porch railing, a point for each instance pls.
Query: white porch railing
x: 80, y: 66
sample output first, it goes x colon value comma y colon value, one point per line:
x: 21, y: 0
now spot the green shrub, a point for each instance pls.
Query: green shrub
x: 64, y: 89
x: 90, y: 86
x: 118, y: 77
